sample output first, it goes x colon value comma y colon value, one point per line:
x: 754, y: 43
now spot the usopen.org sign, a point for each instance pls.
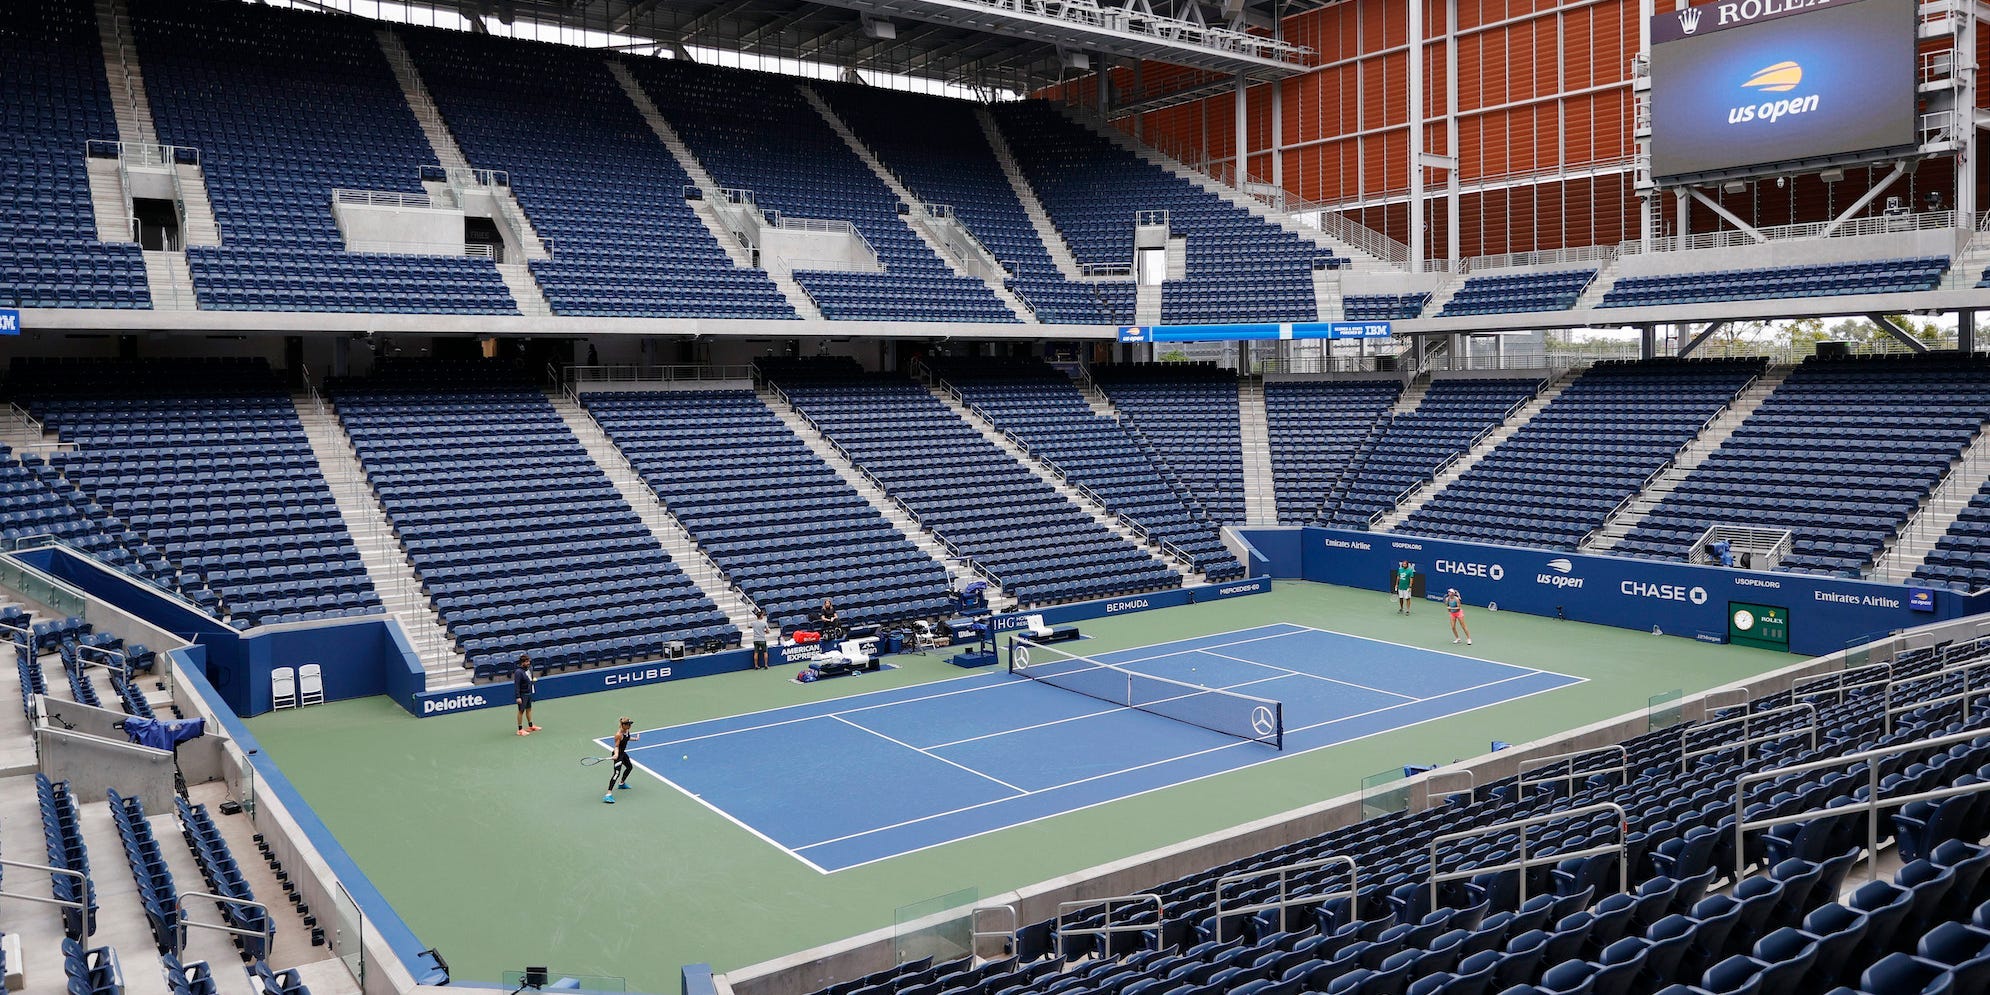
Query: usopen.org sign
x: 10, y: 321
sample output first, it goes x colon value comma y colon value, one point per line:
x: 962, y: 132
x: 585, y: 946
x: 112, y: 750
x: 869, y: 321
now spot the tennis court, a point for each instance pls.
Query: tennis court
x: 846, y: 782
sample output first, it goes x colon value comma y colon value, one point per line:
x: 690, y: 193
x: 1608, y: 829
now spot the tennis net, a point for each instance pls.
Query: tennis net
x: 1259, y: 720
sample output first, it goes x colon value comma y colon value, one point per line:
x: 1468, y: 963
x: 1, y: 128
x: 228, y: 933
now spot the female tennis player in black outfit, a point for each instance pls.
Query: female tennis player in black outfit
x: 623, y: 765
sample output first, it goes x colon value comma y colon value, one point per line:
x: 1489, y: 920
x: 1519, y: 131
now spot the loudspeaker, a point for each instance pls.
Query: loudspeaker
x: 1834, y: 350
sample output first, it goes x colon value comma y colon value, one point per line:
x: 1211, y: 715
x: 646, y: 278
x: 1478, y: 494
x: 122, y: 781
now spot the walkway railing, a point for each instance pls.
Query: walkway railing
x: 1748, y: 738
x: 1064, y: 909
x: 1285, y: 899
x: 1524, y: 862
x: 1970, y: 689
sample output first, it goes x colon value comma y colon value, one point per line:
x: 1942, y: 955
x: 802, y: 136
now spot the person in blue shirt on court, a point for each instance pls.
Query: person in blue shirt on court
x: 521, y: 682
x: 1405, y: 576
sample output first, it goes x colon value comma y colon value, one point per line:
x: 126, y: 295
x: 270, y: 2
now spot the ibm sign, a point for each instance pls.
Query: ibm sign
x: 10, y: 321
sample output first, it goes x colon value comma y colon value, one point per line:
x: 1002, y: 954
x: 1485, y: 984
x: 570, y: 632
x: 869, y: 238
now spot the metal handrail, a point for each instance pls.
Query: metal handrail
x: 1747, y: 722
x: 1524, y: 862
x: 382, y: 198
x: 379, y: 248
x: 1470, y: 790
x: 1871, y: 806
x: 976, y: 933
x: 268, y: 933
x: 1285, y: 899
x: 1064, y: 908
x: 80, y: 905
x: 1623, y: 766
x: 1799, y: 688
x: 1968, y: 691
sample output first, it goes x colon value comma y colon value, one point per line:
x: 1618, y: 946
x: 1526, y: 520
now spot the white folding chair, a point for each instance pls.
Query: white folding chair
x: 283, y: 688
x: 310, y: 684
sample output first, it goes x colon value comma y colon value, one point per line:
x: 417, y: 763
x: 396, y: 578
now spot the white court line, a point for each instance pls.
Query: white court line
x: 1317, y: 677
x: 982, y: 683
x: 728, y: 816
x: 1117, y: 798
x: 1092, y: 715
x: 944, y: 760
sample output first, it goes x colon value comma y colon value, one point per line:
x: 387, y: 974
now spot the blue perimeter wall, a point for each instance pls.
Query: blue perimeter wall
x: 359, y: 657
x: 1827, y: 614
x: 373, y: 906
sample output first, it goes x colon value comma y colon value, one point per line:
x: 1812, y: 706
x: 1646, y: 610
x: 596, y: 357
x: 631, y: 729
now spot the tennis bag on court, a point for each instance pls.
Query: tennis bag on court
x: 807, y: 676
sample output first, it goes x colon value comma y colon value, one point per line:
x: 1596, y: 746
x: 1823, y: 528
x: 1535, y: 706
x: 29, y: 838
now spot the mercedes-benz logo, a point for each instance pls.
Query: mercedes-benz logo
x: 1021, y: 656
x: 1263, y: 721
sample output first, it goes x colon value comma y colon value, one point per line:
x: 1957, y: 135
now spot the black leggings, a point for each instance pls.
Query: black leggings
x: 620, y: 772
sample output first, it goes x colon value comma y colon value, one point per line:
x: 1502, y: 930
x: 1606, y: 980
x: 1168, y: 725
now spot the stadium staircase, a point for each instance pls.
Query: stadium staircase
x: 1327, y: 297
x: 386, y: 561
x: 1444, y: 292
x: 707, y: 214
x: 669, y: 532
x: 1606, y: 278
x: 516, y: 273
x: 1053, y: 240
x: 1550, y: 389
x: 1260, y: 486
x: 166, y: 274
x: 832, y: 455
x: 1910, y: 548
x: 1361, y: 260
x: 1626, y: 518
x: 1119, y: 524
x: 990, y: 275
x: 1967, y: 270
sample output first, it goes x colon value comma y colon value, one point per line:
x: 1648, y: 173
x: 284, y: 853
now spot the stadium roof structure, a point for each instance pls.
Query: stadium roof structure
x: 1017, y: 44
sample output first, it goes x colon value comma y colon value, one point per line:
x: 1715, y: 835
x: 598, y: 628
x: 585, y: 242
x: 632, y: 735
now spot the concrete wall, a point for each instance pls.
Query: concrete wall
x: 1359, y: 282
x: 429, y: 231
x: 92, y: 765
x: 783, y: 250
x: 1792, y: 252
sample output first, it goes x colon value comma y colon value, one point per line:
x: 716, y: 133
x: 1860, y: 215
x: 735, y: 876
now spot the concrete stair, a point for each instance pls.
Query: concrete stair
x: 447, y: 152
x: 1471, y: 457
x: 1969, y: 264
x: 524, y: 289
x: 707, y: 215
x: 1327, y: 301
x: 1260, y: 487
x: 169, y: 281
x: 1054, y: 477
x: 1443, y: 294
x: 669, y: 532
x: 901, y: 519
x: 1264, y: 211
x: 394, y: 577
x: 199, y: 226
x: 1711, y: 438
x: 1046, y: 231
x: 107, y: 200
x: 1917, y: 538
x: 916, y: 220
x: 1592, y: 295
x: 129, y: 103
x: 1147, y: 304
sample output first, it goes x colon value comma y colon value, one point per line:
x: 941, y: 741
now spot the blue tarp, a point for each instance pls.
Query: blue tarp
x: 163, y: 734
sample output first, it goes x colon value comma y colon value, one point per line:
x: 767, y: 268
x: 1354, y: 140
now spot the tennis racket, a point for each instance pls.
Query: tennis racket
x: 591, y: 761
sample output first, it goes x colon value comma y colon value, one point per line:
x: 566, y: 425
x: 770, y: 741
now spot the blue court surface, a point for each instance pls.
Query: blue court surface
x: 840, y: 783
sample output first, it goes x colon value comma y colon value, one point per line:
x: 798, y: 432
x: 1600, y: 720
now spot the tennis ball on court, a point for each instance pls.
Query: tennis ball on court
x: 686, y: 756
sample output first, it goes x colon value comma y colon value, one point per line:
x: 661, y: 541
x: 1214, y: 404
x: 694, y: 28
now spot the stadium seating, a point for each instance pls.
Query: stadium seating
x: 54, y: 102
x: 947, y: 160
x: 1408, y: 448
x: 1780, y: 921
x: 1038, y: 544
x: 1961, y: 558
x: 595, y: 181
x: 1239, y: 267
x: 755, y: 131
x: 286, y: 107
x: 1500, y: 294
x: 1187, y: 415
x: 778, y: 520
x: 207, y: 460
x: 1827, y: 457
x: 1563, y: 473
x: 1877, y: 276
x: 148, y: 869
x: 62, y: 834
x: 1383, y: 307
x: 1315, y: 429
x: 520, y: 541
x: 1041, y: 406
x: 36, y: 503
x: 224, y: 877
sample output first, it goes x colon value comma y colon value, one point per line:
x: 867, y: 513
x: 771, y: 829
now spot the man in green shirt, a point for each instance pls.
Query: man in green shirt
x: 1405, y: 573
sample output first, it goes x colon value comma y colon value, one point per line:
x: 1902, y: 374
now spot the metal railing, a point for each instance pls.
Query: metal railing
x: 267, y: 933
x: 1962, y: 670
x: 1430, y: 794
x: 382, y: 198
x: 1526, y: 780
x: 1748, y: 736
x: 141, y: 153
x: 79, y: 905
x: 667, y: 373
x: 1142, y: 219
x: 976, y: 934
x: 1955, y: 488
x: 1870, y: 807
x: 1064, y: 909
x: 1524, y: 862
x: 1285, y: 899
x: 1875, y: 224
x: 377, y: 248
x: 1841, y: 683
x: 1601, y: 255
